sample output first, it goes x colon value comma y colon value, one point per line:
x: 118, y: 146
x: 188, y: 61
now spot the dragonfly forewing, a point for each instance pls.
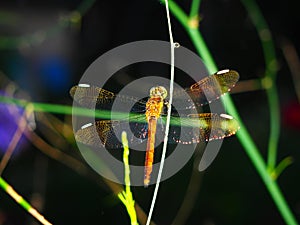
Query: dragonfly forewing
x: 91, y: 97
x: 206, y: 90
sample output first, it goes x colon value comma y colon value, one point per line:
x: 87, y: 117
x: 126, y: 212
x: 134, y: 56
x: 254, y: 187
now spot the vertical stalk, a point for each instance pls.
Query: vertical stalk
x: 269, y: 80
x: 194, y: 12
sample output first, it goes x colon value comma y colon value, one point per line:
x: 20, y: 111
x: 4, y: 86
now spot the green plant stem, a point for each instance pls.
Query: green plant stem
x: 194, y: 12
x: 126, y: 196
x: 105, y: 114
x: 203, y: 51
x: 281, y: 166
x: 243, y: 135
x: 61, y: 109
x: 274, y: 127
x: 270, y: 76
x: 22, y: 202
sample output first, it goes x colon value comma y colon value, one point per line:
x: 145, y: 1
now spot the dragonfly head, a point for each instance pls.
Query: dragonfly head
x: 158, y: 91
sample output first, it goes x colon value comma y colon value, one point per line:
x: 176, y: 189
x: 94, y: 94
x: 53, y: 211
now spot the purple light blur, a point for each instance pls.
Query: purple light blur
x: 8, y: 127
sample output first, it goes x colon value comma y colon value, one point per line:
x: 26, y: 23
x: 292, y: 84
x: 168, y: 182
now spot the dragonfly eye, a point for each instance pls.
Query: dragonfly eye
x: 159, y: 91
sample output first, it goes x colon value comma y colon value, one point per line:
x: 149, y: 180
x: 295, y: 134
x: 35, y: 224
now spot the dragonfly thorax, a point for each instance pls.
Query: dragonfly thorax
x: 154, y: 107
x: 158, y: 91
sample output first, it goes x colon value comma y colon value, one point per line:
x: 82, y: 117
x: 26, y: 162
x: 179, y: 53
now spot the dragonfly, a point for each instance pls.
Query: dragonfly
x: 148, y: 120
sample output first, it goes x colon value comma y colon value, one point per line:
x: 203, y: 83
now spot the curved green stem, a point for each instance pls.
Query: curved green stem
x: 270, y: 78
x: 281, y: 166
x: 243, y: 135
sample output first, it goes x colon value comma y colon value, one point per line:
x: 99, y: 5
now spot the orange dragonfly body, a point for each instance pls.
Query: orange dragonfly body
x: 154, y: 108
x: 145, y: 123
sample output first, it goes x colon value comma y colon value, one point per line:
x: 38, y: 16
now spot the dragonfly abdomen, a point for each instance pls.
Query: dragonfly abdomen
x: 154, y: 108
x: 152, y: 123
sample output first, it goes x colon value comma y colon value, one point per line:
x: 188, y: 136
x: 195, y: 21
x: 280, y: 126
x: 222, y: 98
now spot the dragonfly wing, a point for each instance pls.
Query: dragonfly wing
x: 206, y: 90
x: 95, y: 97
x: 201, y: 128
x: 107, y: 133
x: 88, y: 95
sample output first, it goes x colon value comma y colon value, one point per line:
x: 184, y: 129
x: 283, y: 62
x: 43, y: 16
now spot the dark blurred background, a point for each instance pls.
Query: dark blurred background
x: 45, y: 53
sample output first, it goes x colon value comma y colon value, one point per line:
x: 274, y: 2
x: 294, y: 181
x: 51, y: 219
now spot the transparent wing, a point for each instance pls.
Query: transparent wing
x: 94, y: 97
x: 201, y: 128
x: 107, y: 133
x: 206, y: 90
